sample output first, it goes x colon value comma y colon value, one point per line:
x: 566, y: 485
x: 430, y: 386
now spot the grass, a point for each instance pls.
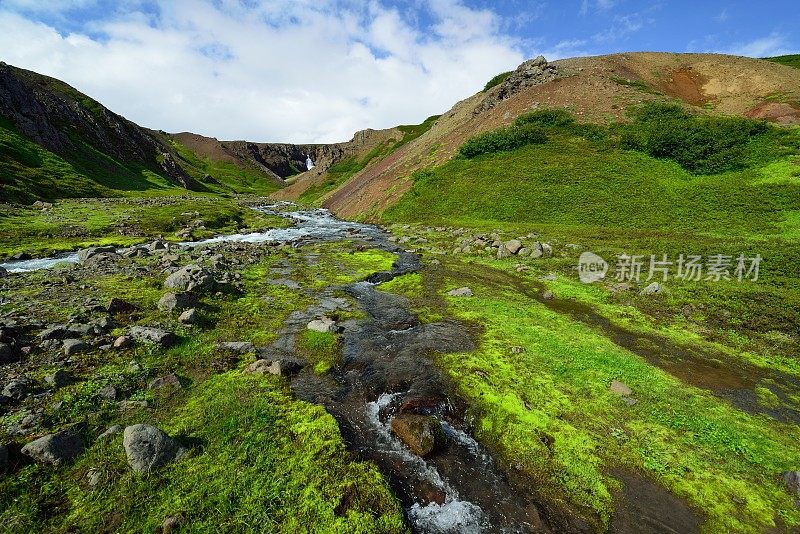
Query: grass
x: 497, y: 80
x: 792, y: 60
x: 635, y: 84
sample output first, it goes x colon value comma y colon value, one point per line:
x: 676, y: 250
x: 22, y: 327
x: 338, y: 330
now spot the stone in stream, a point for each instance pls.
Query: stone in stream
x: 177, y: 301
x: 74, y: 346
x: 189, y: 278
x: 148, y: 448
x: 91, y: 252
x: 154, y: 336
x: 460, y: 292
x: 324, y: 324
x: 422, y: 434
x: 55, y: 449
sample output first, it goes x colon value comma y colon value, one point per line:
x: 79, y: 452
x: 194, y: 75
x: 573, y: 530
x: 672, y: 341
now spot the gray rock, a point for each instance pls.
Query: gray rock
x: 460, y: 292
x: 17, y: 389
x: 55, y: 449
x: 123, y: 342
x: 324, y: 324
x: 618, y: 388
x: 59, y: 379
x: 547, y: 250
x: 242, y: 347
x: 74, y: 346
x: 547, y: 295
x: 503, y: 252
x: 157, y: 246
x: 280, y: 367
x: 147, y: 448
x: 91, y: 252
x: 108, y: 393
x: 53, y: 332
x: 188, y: 316
x: 154, y: 336
x: 539, y: 61
x: 190, y: 278
x: 653, y: 289
x: 792, y: 481
x: 513, y: 246
x: 167, y: 381
x: 177, y: 301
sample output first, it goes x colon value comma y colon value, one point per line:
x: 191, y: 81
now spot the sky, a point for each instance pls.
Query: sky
x: 312, y: 71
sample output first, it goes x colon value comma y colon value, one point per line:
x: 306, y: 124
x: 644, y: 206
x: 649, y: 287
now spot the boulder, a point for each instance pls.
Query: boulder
x: 120, y: 306
x: 74, y: 346
x: 123, y: 342
x: 653, y: 289
x: 177, y: 301
x: 547, y: 250
x: 188, y: 316
x: 148, y: 448
x: 59, y: 379
x: 503, y: 252
x: 324, y: 324
x: 422, y: 434
x: 53, y: 332
x: 792, y: 481
x: 167, y: 381
x: 153, y: 336
x: 618, y: 388
x: 189, y: 278
x: 87, y: 253
x: 241, y: 347
x: 16, y: 389
x: 55, y: 449
x: 280, y: 367
x: 460, y: 292
x: 513, y: 246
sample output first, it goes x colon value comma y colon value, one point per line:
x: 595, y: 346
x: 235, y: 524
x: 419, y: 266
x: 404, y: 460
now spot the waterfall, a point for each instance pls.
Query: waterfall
x: 309, y: 163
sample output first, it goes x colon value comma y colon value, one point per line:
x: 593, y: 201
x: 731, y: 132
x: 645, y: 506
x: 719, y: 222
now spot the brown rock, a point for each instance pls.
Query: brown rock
x: 423, y: 434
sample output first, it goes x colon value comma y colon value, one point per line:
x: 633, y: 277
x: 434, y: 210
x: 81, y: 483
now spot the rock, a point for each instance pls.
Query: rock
x: 189, y: 278
x: 177, y: 301
x: 123, y: 342
x: 653, y: 289
x: 167, y: 381
x: 22, y: 256
x: 108, y: 393
x: 279, y: 367
x: 242, y: 347
x: 325, y: 324
x: 173, y: 522
x: 537, y: 251
x: 547, y: 250
x: 620, y: 287
x: 188, y: 316
x: 91, y: 252
x: 157, y: 245
x: 94, y: 477
x: 3, y: 272
x: 120, y: 306
x: 618, y: 388
x: 74, y: 346
x: 59, y: 379
x: 539, y: 61
x: 111, y: 431
x: 547, y: 295
x: 792, y: 481
x: 3, y: 459
x: 503, y: 252
x: 460, y: 292
x: 155, y: 336
x: 55, y: 449
x: 16, y: 389
x: 147, y: 448
x: 513, y: 246
x: 422, y: 434
x: 53, y: 332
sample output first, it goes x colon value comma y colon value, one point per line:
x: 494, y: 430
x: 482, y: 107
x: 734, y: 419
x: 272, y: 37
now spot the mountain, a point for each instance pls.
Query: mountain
x: 597, y: 90
x: 56, y: 142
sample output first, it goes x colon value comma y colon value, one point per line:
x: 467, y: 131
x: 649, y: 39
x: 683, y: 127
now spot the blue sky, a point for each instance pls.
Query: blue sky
x: 314, y: 71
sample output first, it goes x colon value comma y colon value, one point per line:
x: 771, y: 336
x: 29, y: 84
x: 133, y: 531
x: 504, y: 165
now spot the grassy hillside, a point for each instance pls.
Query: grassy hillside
x: 28, y: 172
x: 546, y: 407
x: 792, y: 60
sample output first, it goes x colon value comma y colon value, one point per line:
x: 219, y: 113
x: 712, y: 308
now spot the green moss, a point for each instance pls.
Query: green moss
x: 321, y: 349
x: 497, y: 80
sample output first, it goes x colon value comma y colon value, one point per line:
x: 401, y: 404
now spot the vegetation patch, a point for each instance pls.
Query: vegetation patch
x: 497, y: 80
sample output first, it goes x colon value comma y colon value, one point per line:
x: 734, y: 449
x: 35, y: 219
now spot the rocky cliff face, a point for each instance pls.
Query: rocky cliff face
x: 70, y: 124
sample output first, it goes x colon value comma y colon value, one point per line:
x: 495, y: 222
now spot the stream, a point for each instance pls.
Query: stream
x: 387, y: 370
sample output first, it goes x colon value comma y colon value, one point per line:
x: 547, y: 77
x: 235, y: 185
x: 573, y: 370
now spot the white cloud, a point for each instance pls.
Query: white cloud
x: 298, y: 71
